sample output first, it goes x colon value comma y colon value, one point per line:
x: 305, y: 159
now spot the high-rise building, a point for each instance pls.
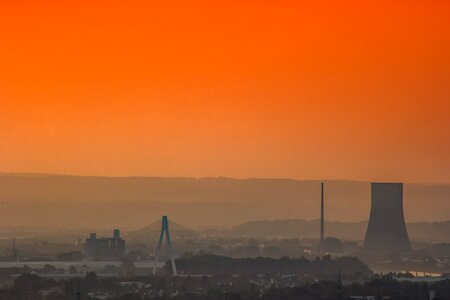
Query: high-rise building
x: 386, y: 231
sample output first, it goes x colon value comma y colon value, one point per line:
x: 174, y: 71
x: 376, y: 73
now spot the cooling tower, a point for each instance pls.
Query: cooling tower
x: 386, y: 231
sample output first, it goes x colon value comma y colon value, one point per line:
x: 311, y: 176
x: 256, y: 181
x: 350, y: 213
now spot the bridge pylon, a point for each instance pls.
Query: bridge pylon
x: 165, y: 232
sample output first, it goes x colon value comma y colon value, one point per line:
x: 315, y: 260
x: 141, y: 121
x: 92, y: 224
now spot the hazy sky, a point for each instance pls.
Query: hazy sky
x: 300, y: 89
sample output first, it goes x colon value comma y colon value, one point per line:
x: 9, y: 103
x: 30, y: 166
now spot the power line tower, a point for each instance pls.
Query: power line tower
x: 165, y: 231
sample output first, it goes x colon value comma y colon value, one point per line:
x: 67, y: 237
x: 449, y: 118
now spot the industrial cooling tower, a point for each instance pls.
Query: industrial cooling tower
x: 386, y: 231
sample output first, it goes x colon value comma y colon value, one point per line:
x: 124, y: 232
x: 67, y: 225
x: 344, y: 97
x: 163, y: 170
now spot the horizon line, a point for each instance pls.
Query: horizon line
x: 6, y: 173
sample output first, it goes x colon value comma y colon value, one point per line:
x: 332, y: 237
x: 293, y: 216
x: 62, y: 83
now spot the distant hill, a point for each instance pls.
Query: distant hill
x: 133, y: 202
x: 423, y: 231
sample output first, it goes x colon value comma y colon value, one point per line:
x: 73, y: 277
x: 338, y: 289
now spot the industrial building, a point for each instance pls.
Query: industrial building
x: 386, y: 231
x: 105, y: 248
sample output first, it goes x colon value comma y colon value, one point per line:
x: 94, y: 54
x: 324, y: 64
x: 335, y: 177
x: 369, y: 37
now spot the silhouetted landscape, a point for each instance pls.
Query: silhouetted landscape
x: 250, y: 238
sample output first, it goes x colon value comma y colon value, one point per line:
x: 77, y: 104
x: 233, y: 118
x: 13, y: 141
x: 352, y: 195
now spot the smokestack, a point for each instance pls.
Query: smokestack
x: 322, y: 221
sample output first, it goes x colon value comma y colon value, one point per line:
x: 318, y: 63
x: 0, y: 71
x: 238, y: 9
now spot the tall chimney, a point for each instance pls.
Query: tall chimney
x: 322, y: 221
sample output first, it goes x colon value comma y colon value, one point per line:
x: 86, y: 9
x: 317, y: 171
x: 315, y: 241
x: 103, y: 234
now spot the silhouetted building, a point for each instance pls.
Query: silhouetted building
x: 105, y: 248
x: 386, y: 231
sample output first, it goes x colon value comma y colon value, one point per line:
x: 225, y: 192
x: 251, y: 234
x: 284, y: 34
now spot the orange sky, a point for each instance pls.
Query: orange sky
x: 300, y: 89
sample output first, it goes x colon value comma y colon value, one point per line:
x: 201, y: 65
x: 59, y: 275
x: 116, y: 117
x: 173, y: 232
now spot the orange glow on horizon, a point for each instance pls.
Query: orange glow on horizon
x: 313, y: 89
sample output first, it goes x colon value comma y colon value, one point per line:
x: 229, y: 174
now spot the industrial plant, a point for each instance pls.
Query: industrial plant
x: 105, y: 248
x: 386, y: 231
